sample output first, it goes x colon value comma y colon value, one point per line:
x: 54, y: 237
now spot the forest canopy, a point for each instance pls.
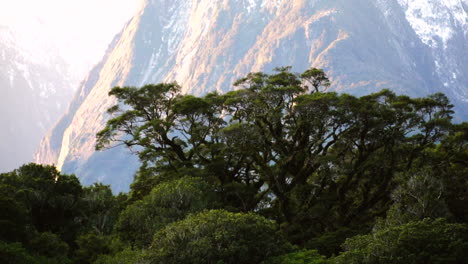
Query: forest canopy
x: 276, y: 171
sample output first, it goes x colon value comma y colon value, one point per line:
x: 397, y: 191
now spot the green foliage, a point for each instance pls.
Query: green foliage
x: 102, y: 208
x: 47, y: 210
x: 13, y: 218
x: 278, y: 149
x: 451, y: 157
x: 44, y: 209
x: 167, y: 202
x: 426, y: 241
x: 436, y: 184
x: 420, y: 195
x: 317, y: 78
x: 317, y: 162
x: 126, y: 256
x: 302, y: 257
x: 90, y: 246
x: 51, y: 199
x: 14, y: 253
x: 149, y: 101
x: 49, y: 245
x: 330, y: 242
x: 218, y: 237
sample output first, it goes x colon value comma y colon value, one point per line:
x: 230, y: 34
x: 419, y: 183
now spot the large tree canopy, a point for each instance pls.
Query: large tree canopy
x: 315, y: 161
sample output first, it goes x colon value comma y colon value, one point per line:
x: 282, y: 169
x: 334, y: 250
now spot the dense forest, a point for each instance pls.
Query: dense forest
x: 277, y: 171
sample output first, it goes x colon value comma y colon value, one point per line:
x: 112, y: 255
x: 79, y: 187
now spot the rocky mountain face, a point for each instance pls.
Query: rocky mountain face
x: 34, y: 90
x: 442, y: 26
x: 415, y: 47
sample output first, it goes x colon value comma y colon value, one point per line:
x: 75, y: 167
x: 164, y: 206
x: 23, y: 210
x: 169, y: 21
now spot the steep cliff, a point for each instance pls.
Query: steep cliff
x: 364, y: 45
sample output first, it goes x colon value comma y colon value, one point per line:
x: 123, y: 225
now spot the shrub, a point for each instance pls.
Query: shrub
x: 218, y: 236
x: 426, y: 241
x: 167, y: 202
x: 301, y: 257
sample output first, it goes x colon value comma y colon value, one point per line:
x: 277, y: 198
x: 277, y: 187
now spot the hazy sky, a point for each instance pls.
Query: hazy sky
x: 81, y: 29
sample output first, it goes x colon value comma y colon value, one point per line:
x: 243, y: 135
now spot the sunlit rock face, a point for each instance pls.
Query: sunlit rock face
x: 205, y: 45
x: 35, y: 87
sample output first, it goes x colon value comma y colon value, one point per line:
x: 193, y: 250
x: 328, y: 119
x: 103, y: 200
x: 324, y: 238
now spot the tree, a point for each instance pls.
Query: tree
x: 101, y: 209
x: 50, y: 246
x: 90, y: 246
x: 178, y: 136
x: 13, y: 220
x: 168, y: 202
x: 436, y: 184
x: 317, y: 78
x: 316, y: 162
x: 451, y: 159
x: 426, y: 241
x: 420, y: 195
x: 14, y: 253
x: 218, y: 237
x: 330, y: 160
x: 52, y: 200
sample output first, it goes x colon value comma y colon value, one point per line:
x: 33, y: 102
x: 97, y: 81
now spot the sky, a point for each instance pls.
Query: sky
x: 80, y: 29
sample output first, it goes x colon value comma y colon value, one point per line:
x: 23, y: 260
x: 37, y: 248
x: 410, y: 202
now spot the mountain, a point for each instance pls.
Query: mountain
x: 35, y: 91
x: 413, y: 47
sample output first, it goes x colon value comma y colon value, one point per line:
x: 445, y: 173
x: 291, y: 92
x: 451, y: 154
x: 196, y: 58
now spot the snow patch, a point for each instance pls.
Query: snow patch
x: 251, y: 5
x: 11, y: 76
x: 435, y: 21
x: 25, y: 73
x: 174, y: 24
x: 152, y: 65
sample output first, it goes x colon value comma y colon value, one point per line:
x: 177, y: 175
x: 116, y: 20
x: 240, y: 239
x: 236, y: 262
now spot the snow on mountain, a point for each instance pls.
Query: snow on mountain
x: 436, y: 20
x: 443, y: 26
x: 415, y: 47
x: 35, y: 88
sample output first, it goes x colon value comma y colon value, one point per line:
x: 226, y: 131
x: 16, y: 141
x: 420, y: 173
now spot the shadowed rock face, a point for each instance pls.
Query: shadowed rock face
x: 205, y: 45
x: 34, y: 93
